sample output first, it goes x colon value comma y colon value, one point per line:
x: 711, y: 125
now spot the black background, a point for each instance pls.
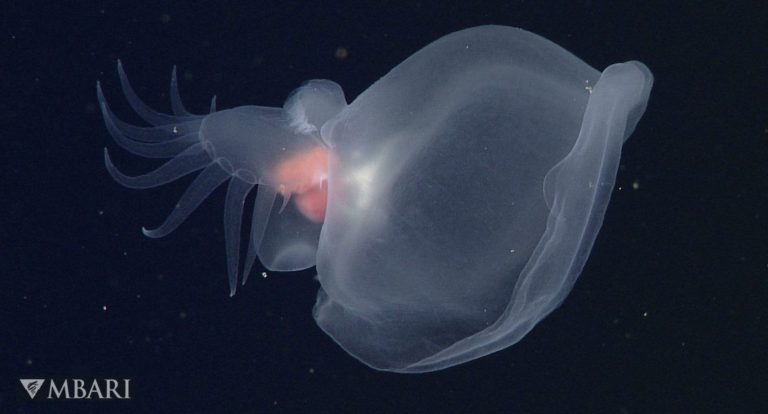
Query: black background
x: 669, y: 314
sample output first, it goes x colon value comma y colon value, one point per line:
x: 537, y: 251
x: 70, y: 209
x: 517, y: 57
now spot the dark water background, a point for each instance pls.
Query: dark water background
x: 668, y: 316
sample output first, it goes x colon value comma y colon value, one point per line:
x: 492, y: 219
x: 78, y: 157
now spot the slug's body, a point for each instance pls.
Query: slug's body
x: 448, y: 209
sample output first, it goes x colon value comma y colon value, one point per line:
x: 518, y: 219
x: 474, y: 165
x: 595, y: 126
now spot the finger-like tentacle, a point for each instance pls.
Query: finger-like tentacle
x: 164, y: 149
x: 190, y: 160
x: 211, y: 177
x: 233, y: 218
x: 265, y: 200
x: 176, y: 104
x: 145, y: 112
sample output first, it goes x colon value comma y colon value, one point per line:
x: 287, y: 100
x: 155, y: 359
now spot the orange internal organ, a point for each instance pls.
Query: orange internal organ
x: 302, y: 177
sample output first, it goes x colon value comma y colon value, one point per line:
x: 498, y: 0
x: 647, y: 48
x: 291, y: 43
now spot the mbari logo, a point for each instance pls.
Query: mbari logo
x: 78, y: 389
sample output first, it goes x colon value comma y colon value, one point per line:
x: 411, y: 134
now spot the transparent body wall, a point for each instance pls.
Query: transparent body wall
x: 448, y: 208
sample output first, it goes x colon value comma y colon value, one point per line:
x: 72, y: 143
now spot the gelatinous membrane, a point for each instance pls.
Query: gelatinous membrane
x: 469, y: 185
